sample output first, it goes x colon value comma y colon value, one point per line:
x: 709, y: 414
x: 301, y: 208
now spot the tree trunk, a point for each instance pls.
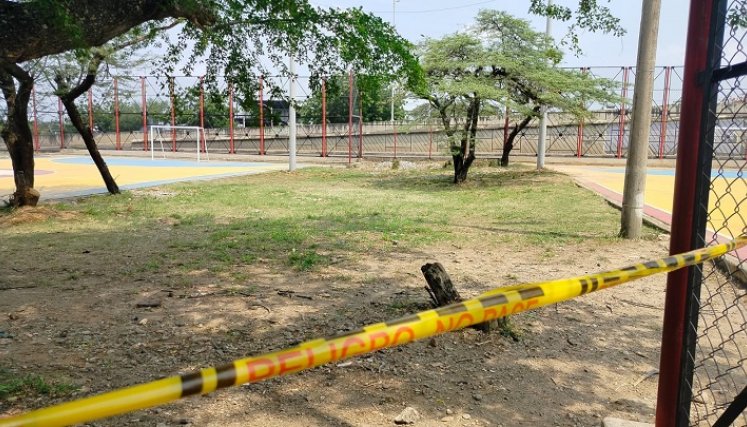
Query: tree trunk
x: 443, y: 293
x: 68, y: 100
x: 17, y: 134
x: 466, y: 156
x: 440, y: 287
x: 509, y: 144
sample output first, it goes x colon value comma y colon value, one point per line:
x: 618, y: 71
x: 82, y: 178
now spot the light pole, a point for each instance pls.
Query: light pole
x: 541, y: 141
x: 394, y: 24
x: 292, y: 114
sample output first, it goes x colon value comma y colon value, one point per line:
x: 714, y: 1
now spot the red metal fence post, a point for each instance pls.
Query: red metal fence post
x: 430, y: 139
x: 117, y: 137
x: 580, y: 141
x: 231, y: 142
x: 505, y: 126
x: 394, y: 129
x: 90, y: 109
x: 664, y: 111
x: 350, y: 116
x: 144, y: 109
x: 202, y: 118
x: 37, y: 143
x: 324, y: 117
x: 172, y: 100
x: 62, y: 125
x: 360, y: 126
x: 261, y: 116
x: 693, y: 99
x: 621, y: 123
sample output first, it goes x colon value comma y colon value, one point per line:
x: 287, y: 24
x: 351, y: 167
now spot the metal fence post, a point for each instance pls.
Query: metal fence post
x: 90, y: 109
x: 324, y: 117
x: 621, y: 123
x: 173, y: 114
x: 144, y: 109
x: 117, y: 137
x: 350, y: 116
x: 580, y: 136
x: 62, y: 125
x: 430, y: 140
x: 669, y: 410
x: 230, y: 115
x: 203, y: 143
x: 37, y: 143
x: 664, y: 111
x: 261, y: 116
x: 360, y: 127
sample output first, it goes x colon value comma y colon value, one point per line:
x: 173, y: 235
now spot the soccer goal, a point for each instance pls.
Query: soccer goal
x: 159, y: 133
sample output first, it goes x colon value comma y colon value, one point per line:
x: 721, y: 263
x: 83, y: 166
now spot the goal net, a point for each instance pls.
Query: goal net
x: 168, y: 134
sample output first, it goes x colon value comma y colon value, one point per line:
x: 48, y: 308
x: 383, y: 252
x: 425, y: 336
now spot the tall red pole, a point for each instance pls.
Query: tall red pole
x: 395, y: 138
x: 621, y: 123
x: 62, y: 125
x: 664, y: 111
x: 580, y: 141
x: 261, y: 116
x: 685, y: 184
x: 430, y: 139
x: 350, y: 116
x: 505, y: 126
x: 173, y: 114
x: 324, y: 118
x: 202, y: 117
x: 90, y: 109
x: 37, y: 143
x: 360, y: 127
x: 231, y: 142
x: 144, y: 109
x: 117, y: 137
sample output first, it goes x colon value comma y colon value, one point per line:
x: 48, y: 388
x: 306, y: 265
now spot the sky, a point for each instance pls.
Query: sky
x: 415, y: 19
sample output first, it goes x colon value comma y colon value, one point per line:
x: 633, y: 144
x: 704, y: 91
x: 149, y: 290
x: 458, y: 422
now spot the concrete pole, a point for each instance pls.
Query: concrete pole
x: 541, y: 141
x: 394, y: 24
x: 640, y: 126
x: 292, y: 116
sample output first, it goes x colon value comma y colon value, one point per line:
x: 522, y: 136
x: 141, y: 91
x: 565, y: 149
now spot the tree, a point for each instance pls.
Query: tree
x: 235, y: 38
x: 372, y: 92
x: 501, y: 60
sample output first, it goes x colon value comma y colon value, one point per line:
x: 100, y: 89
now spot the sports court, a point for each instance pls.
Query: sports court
x: 76, y: 175
x: 610, y: 181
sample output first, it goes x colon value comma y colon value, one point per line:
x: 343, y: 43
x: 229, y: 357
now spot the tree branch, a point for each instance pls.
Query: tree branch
x: 37, y: 28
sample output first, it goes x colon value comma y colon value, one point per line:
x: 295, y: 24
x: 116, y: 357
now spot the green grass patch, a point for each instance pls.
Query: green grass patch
x: 14, y: 385
x: 307, y: 219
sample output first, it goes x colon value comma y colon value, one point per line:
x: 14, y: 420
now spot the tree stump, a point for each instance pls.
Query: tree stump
x: 442, y: 292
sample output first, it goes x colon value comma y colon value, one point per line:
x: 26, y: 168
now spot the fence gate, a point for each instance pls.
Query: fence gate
x: 703, y: 377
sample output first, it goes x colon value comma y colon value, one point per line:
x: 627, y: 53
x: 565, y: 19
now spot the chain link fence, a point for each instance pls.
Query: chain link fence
x: 720, y: 329
x: 703, y: 374
x: 255, y: 121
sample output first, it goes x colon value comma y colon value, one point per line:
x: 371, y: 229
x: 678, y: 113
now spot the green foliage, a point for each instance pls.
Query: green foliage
x: 372, y: 92
x: 589, y: 15
x: 254, y: 37
x: 500, y: 61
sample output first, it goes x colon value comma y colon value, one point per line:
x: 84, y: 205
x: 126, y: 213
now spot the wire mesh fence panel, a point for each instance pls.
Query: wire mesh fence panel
x: 337, y: 117
x: 718, y: 324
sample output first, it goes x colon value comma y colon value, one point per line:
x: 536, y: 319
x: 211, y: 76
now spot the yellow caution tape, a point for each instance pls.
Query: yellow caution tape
x: 491, y: 305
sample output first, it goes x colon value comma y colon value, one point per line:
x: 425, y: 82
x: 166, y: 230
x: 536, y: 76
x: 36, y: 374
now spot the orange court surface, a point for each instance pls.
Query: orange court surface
x: 61, y: 176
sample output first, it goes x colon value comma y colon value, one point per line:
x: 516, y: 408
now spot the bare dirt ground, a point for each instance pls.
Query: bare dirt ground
x: 574, y: 363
